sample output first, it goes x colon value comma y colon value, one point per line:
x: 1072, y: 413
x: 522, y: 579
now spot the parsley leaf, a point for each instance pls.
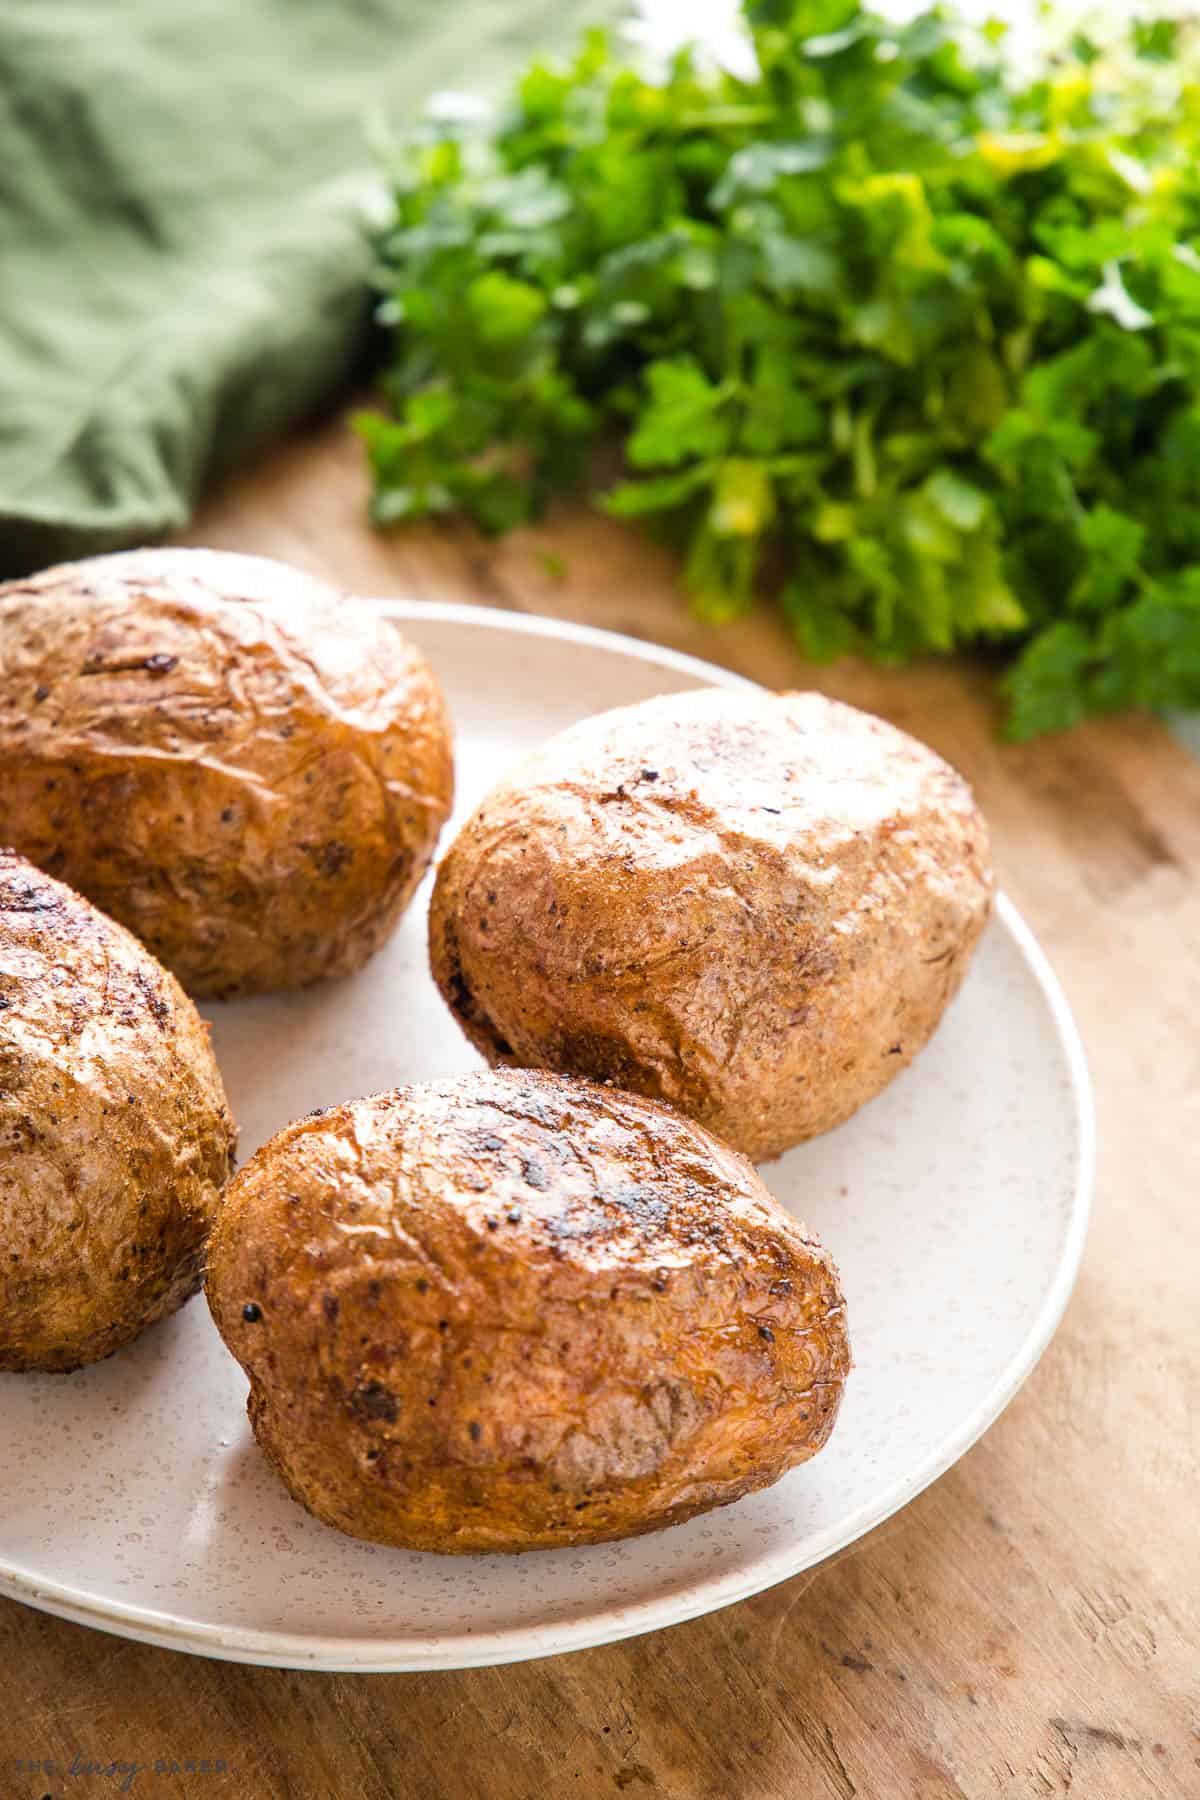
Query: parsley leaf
x: 888, y: 330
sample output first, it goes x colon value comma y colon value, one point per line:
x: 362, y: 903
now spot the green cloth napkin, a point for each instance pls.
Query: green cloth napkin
x: 182, y: 263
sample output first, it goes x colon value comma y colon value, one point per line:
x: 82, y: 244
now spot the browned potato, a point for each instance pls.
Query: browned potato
x: 752, y: 906
x: 513, y: 1311
x: 115, y: 1136
x: 246, y: 767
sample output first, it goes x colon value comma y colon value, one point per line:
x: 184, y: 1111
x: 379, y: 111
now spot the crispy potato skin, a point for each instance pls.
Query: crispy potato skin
x: 513, y: 1311
x: 752, y: 906
x: 115, y: 1134
x: 246, y: 767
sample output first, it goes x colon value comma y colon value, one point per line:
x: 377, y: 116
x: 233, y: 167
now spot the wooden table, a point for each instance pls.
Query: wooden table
x: 1030, y: 1625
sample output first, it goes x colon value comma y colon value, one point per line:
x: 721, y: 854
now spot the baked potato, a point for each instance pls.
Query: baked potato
x: 116, y: 1136
x: 752, y: 906
x: 244, y: 766
x: 513, y: 1311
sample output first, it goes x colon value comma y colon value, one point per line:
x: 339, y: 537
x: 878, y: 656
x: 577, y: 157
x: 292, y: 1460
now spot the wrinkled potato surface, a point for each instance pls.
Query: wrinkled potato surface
x: 115, y: 1135
x: 244, y: 766
x: 513, y: 1311
x: 752, y: 906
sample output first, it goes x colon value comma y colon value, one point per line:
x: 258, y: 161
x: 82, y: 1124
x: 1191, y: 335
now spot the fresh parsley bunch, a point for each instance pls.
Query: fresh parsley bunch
x: 910, y: 343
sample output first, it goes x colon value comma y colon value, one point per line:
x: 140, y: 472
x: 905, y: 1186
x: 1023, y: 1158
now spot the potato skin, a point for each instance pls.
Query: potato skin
x: 754, y: 907
x: 513, y: 1311
x: 115, y: 1134
x: 246, y: 767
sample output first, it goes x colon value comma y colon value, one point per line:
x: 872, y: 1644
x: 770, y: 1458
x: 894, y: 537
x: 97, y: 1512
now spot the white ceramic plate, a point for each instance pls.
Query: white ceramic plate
x: 132, y: 1496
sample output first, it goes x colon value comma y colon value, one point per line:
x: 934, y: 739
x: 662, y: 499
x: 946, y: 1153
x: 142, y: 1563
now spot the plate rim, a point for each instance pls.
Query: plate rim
x: 348, y: 1654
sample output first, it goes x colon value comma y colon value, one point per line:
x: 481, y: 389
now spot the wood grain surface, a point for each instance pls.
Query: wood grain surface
x: 1031, y: 1624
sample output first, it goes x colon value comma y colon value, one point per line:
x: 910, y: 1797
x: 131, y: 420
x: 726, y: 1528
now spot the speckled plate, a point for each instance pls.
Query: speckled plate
x: 132, y: 1496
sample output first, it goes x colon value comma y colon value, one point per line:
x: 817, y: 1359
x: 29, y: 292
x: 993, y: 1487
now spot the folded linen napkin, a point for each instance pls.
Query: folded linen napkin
x: 182, y: 261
